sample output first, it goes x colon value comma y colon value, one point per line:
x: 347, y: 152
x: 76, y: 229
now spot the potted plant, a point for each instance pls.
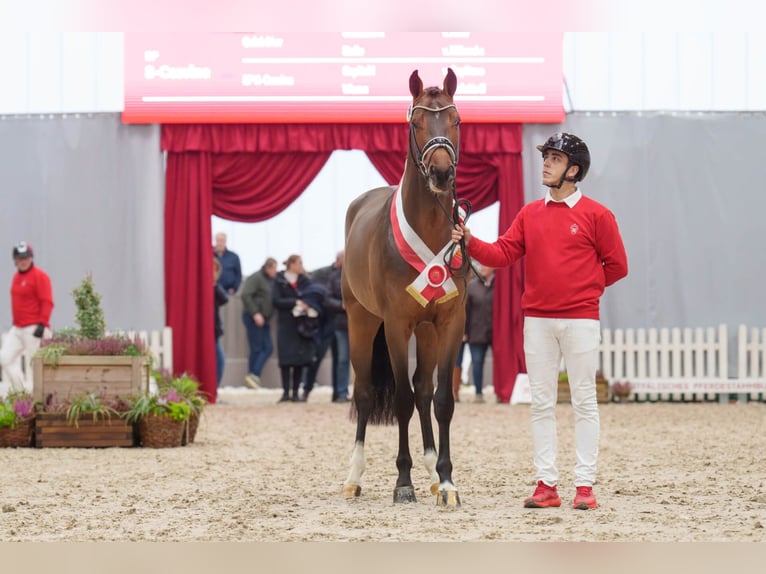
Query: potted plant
x: 87, y: 420
x: 188, y: 389
x: 161, y: 418
x: 602, y: 388
x: 86, y: 360
x: 17, y: 416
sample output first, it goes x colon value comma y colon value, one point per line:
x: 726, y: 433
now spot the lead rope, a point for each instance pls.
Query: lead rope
x: 463, y: 269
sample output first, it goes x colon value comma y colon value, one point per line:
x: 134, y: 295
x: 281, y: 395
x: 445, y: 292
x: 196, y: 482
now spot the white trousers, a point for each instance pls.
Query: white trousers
x: 545, y: 342
x: 16, y: 342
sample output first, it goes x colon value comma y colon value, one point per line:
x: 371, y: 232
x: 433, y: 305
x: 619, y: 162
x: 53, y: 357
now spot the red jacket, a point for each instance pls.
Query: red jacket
x: 573, y: 253
x: 31, y: 298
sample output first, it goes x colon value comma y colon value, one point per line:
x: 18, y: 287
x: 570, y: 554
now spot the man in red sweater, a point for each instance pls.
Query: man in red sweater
x: 573, y: 251
x: 31, y: 306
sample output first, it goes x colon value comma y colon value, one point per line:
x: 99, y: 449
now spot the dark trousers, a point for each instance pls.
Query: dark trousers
x: 297, y: 373
x: 325, y: 342
x: 260, y: 344
x: 478, y: 354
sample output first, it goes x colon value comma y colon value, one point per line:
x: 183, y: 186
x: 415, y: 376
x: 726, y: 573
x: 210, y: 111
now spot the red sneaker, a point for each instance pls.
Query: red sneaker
x: 584, y: 499
x: 543, y: 497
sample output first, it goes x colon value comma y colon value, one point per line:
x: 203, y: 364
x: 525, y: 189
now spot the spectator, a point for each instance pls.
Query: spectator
x: 257, y: 310
x: 31, y: 307
x: 221, y: 298
x: 478, y: 324
x: 231, y: 270
x: 336, y: 309
x: 295, y: 349
x: 326, y: 336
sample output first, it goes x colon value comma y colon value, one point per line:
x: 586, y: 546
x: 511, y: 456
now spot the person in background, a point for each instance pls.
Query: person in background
x: 31, y: 308
x: 221, y: 298
x: 231, y: 269
x: 294, y: 350
x: 478, y: 324
x: 326, y: 336
x: 457, y: 371
x: 340, y: 356
x: 573, y: 252
x: 257, y: 309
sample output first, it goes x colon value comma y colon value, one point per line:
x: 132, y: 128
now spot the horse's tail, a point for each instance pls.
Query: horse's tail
x: 383, y: 384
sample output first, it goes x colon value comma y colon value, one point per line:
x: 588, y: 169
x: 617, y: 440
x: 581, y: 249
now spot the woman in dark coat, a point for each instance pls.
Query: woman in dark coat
x: 294, y: 350
x: 478, y: 324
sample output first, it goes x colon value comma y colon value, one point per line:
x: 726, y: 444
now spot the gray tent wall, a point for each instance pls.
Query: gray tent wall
x: 688, y: 194
x: 687, y: 190
x: 88, y: 193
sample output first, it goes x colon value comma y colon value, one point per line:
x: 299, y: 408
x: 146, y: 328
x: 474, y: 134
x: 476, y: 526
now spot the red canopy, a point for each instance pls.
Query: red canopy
x: 251, y: 172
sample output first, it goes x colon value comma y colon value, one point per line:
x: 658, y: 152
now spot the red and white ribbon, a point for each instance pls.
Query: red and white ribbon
x: 434, y: 281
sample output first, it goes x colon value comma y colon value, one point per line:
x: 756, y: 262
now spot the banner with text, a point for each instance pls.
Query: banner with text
x: 339, y: 77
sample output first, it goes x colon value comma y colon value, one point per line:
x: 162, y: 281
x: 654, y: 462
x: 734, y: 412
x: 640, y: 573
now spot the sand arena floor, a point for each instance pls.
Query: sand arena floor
x: 261, y: 471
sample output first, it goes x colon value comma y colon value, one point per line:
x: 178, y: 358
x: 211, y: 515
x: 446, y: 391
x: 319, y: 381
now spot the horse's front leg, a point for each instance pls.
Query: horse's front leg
x: 404, y: 405
x: 444, y: 407
x: 422, y: 380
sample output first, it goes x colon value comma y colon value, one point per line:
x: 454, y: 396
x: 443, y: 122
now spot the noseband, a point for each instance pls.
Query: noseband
x: 421, y: 155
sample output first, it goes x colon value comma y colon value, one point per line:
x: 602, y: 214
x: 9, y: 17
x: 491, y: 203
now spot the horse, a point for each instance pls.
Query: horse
x: 398, y: 280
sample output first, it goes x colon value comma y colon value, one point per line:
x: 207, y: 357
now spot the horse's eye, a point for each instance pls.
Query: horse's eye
x: 415, y: 124
x: 457, y: 122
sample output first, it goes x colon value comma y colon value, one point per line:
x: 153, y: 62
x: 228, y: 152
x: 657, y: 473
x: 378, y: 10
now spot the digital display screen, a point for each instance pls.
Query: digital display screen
x: 337, y: 77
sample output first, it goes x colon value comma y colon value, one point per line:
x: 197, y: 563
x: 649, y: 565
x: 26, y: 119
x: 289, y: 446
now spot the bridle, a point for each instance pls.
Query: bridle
x: 421, y: 156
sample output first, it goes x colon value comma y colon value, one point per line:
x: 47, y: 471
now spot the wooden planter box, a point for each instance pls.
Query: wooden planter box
x: 53, y: 430
x: 115, y: 376
x: 602, y: 391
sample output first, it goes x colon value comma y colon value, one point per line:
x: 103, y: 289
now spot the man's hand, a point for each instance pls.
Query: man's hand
x: 259, y: 320
x: 460, y: 231
x: 39, y: 330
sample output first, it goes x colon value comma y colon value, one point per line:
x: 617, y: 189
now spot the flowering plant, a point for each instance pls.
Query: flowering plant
x: 91, y: 337
x: 99, y: 406
x: 167, y: 402
x: 16, y: 407
x: 185, y: 386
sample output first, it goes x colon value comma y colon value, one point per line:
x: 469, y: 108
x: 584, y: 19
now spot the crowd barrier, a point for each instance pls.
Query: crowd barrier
x: 685, y: 364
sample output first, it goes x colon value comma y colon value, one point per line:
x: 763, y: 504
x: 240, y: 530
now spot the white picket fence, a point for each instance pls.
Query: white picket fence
x: 159, y: 342
x: 685, y: 364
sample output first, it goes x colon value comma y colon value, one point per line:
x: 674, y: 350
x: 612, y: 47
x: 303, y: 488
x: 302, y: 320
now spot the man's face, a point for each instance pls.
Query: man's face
x: 23, y: 263
x: 220, y: 242
x: 554, y: 165
x: 271, y: 270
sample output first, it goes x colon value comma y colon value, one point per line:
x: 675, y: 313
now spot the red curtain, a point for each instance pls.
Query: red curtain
x: 251, y: 172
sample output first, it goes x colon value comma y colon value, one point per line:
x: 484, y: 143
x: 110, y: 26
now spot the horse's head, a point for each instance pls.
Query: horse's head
x: 434, y: 131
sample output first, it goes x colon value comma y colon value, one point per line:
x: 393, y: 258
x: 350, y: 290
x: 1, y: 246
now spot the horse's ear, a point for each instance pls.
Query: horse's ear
x: 416, y: 84
x: 450, y: 82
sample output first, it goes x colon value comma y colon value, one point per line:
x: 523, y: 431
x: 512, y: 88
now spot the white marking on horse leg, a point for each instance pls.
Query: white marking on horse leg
x: 357, y: 465
x: 429, y: 460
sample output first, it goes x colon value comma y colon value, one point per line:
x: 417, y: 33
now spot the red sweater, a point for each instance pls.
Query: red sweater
x: 572, y: 255
x: 31, y: 298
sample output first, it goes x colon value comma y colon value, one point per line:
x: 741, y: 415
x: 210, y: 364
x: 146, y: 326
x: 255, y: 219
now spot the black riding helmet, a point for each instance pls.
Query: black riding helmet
x: 574, y: 148
x: 22, y: 250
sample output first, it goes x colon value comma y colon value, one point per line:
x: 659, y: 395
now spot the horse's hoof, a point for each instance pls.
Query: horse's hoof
x: 351, y: 490
x: 448, y: 498
x: 435, y: 488
x: 404, y: 494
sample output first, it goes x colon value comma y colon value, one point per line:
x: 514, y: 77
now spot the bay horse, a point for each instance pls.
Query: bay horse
x: 397, y: 281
